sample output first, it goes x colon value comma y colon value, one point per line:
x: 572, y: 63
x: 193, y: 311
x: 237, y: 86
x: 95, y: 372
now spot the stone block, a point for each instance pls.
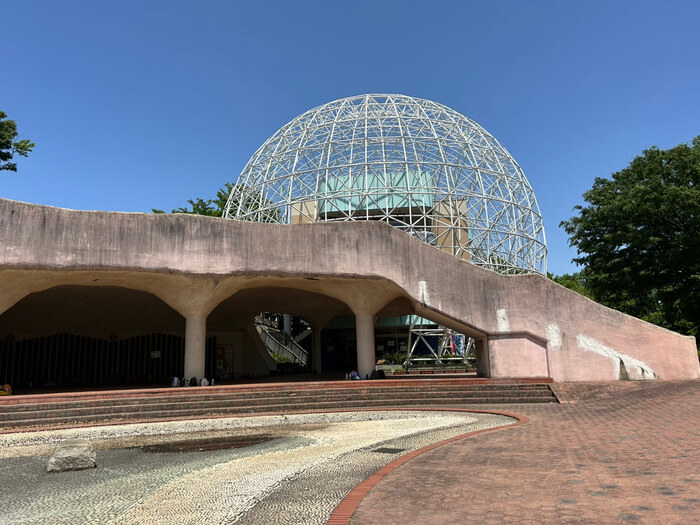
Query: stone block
x: 75, y: 455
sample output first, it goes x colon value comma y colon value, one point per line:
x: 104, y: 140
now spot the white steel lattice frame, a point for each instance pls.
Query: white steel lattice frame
x: 452, y: 346
x: 413, y: 163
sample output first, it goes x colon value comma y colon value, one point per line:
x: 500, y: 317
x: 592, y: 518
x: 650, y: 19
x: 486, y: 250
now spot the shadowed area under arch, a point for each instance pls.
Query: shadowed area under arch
x: 78, y: 336
x: 90, y: 310
x: 300, y: 303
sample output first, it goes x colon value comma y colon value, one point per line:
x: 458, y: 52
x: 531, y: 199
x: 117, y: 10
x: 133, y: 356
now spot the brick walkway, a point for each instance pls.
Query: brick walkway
x: 614, y: 453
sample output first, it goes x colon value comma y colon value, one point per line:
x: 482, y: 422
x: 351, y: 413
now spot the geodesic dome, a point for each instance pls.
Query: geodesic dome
x: 416, y: 164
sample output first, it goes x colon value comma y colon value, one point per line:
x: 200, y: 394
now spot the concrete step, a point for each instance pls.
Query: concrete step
x: 180, y: 403
x: 46, y: 422
x: 425, y: 383
x: 67, y: 409
x: 14, y: 412
x: 204, y: 394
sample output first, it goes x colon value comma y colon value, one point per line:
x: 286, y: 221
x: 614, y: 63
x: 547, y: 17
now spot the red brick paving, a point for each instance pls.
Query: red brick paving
x: 623, y: 452
x: 344, y: 511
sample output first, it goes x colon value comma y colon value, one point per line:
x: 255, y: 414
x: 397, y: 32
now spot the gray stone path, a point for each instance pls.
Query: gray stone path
x: 310, y: 463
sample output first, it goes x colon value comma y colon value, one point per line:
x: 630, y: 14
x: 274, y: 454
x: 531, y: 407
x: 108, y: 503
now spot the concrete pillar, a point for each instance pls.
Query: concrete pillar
x: 195, y: 346
x: 316, y: 358
x: 364, y: 328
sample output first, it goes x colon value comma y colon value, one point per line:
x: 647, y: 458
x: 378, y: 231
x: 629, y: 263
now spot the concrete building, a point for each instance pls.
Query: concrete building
x: 100, y: 298
x: 381, y: 209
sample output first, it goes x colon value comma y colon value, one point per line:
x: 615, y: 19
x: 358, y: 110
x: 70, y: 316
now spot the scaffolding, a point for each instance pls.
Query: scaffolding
x: 445, y: 346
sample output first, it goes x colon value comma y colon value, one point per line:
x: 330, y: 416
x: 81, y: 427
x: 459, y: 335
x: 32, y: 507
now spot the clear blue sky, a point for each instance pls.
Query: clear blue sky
x: 136, y: 105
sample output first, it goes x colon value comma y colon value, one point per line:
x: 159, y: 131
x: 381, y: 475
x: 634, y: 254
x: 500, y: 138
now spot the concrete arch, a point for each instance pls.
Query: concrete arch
x: 89, y: 310
x: 406, y: 305
x: 171, y: 289
x: 295, y: 300
x: 81, y: 335
x: 265, y: 295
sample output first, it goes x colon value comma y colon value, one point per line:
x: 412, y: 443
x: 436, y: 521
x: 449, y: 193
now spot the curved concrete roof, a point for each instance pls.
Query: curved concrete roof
x: 194, y: 263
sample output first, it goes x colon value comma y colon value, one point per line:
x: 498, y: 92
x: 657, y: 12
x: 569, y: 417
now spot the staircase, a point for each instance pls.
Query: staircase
x: 278, y: 343
x: 302, y: 335
x: 44, y: 411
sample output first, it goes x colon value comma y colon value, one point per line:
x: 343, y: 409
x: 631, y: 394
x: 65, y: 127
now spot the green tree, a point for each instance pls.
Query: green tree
x: 9, y: 145
x: 573, y: 281
x: 215, y: 207
x: 638, y: 238
x: 210, y: 207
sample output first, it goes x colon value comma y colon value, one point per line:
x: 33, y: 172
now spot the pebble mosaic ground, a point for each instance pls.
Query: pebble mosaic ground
x: 300, y: 470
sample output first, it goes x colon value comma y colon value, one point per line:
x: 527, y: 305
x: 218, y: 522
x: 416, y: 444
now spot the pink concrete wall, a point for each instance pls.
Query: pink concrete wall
x: 517, y: 357
x: 193, y: 263
x: 572, y: 364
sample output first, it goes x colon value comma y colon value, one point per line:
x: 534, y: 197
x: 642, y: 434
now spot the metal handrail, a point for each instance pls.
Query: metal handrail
x: 294, y: 350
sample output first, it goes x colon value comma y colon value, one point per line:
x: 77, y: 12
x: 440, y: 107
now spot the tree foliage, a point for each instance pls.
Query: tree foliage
x: 210, y: 207
x: 574, y: 281
x: 638, y: 238
x: 215, y: 207
x: 9, y: 145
